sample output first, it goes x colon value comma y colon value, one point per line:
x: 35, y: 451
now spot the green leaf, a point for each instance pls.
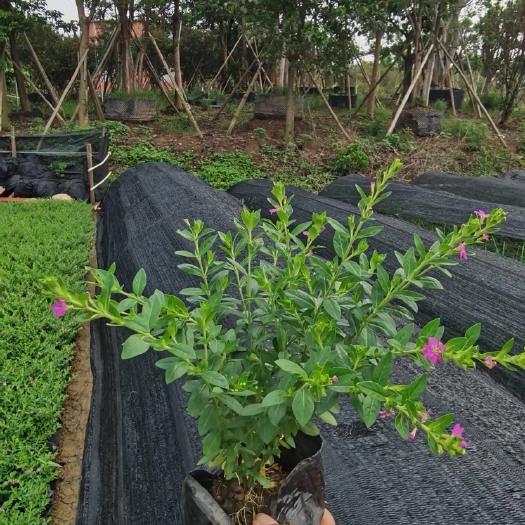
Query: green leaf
x: 430, y: 329
x: 303, y: 406
x: 415, y: 389
x: 373, y: 390
x: 370, y: 410
x: 252, y: 410
x: 371, y: 231
x: 332, y: 308
x: 276, y: 413
x: 441, y: 423
x: 134, y: 345
x: 208, y: 419
x: 184, y: 351
x: 420, y: 247
x: 231, y: 403
x: 139, y: 282
x: 340, y: 243
x: 184, y: 253
x: 300, y: 298
x: 214, y: 378
x: 402, y: 426
x: 275, y: 397
x: 291, y: 368
x: 136, y: 323
x: 174, y: 368
x: 383, y: 369
x: 472, y: 334
x: 327, y: 417
x: 266, y: 430
x: 211, y: 444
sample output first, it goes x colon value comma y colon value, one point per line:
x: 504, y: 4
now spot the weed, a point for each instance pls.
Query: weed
x: 222, y: 170
x: 439, y: 105
x: 376, y: 125
x: 116, y: 128
x: 127, y: 156
x: 351, y: 158
x: 472, y: 133
x: 175, y: 123
x: 492, y: 100
x: 402, y: 141
x: 259, y: 133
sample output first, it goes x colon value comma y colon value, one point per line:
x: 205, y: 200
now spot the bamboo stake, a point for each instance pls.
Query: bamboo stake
x: 259, y: 63
x: 13, y: 142
x: 185, y: 104
x: 96, y: 102
x: 242, y: 102
x: 230, y: 96
x: 475, y: 96
x: 91, y: 182
x: 327, y: 104
x: 378, y: 81
x: 64, y: 94
x: 367, y: 80
x: 451, y: 94
x: 41, y: 70
x: 225, y: 61
x: 409, y: 90
x: 40, y: 94
x: 105, y: 56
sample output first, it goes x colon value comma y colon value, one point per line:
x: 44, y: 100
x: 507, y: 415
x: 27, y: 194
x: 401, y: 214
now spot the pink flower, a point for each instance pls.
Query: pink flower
x: 412, y: 435
x: 305, y: 233
x: 462, y: 252
x: 489, y: 362
x: 485, y: 237
x: 457, y: 430
x: 385, y: 414
x: 424, y: 415
x: 59, y: 307
x: 433, y: 350
x: 335, y: 379
x: 463, y: 444
x: 481, y: 213
x: 275, y: 210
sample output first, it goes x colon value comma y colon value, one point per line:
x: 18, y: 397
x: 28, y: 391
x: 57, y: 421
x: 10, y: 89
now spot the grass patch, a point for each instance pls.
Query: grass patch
x: 39, y: 238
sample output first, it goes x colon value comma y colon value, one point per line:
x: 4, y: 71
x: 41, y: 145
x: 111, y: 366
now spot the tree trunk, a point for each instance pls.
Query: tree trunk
x: 375, y: 72
x: 4, y: 120
x: 290, y: 103
x: 19, y: 76
x: 83, y: 22
x: 124, y: 82
x: 139, y: 62
x: 177, y: 27
x: 418, y: 52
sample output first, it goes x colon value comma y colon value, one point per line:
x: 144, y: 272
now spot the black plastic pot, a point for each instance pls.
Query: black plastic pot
x: 436, y: 94
x: 300, y: 500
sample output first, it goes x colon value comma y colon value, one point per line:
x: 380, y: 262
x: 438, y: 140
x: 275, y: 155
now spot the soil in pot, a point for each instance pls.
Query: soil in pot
x: 297, y: 497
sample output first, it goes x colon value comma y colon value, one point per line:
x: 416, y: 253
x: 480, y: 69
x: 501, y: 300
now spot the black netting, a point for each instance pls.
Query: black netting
x: 49, y: 164
x: 275, y: 106
x: 137, y: 110
x: 487, y: 189
x: 422, y: 123
x: 140, y: 441
x: 439, y: 207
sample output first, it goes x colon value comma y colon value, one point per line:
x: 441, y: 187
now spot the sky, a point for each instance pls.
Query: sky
x: 67, y: 7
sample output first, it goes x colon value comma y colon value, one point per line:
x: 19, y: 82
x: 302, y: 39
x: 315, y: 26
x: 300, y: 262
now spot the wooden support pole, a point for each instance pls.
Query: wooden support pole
x: 41, y: 95
x: 42, y: 71
x: 105, y: 56
x: 225, y: 62
x: 474, y: 95
x: 243, y: 101
x: 65, y: 93
x: 409, y: 90
x: 96, y: 102
x: 91, y: 182
x: 327, y: 104
x: 13, y: 142
x: 259, y: 63
x: 378, y: 81
x: 230, y: 96
x: 179, y: 92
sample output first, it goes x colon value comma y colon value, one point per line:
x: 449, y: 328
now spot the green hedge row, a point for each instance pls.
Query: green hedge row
x: 37, y: 238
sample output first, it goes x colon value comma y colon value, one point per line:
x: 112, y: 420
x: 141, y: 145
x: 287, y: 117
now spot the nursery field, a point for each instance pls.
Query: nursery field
x: 38, y: 238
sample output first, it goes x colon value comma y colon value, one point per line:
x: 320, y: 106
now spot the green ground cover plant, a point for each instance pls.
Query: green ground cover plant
x: 37, y: 238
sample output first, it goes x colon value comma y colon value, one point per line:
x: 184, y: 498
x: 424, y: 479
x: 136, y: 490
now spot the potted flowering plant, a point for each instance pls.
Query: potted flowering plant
x: 273, y: 335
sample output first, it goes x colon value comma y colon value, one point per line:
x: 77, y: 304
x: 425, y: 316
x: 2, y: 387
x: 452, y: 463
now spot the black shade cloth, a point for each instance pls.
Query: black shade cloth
x: 514, y: 175
x: 432, y: 205
x: 140, y: 441
x: 487, y: 189
x: 49, y: 164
